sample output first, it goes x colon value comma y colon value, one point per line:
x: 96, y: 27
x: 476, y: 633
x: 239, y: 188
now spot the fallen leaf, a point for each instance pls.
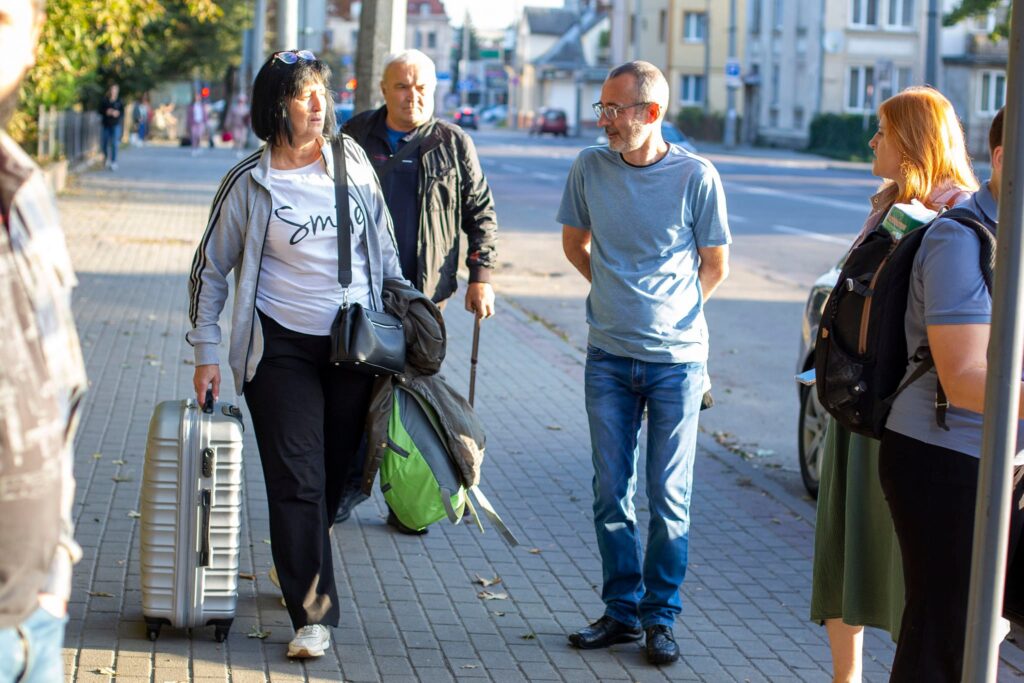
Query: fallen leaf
x: 529, y: 636
x: 97, y: 456
x: 573, y: 499
x: 469, y: 666
x: 267, y: 541
x: 255, y: 632
x: 134, y: 514
x: 486, y: 583
x: 105, y: 671
x: 100, y: 594
x: 247, y: 577
x: 488, y: 595
x: 150, y: 317
x: 498, y: 614
x: 117, y: 462
x: 119, y: 479
x: 535, y: 551
x: 188, y: 361
x: 150, y: 356
x: 554, y: 428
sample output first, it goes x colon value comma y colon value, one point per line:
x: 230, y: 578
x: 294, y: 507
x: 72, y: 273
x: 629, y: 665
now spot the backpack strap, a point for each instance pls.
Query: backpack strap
x: 485, y: 505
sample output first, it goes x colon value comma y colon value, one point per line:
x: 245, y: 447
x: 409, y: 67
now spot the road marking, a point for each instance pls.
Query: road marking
x: 811, y: 234
x: 733, y: 218
x: 513, y: 169
x: 800, y: 197
x: 544, y: 176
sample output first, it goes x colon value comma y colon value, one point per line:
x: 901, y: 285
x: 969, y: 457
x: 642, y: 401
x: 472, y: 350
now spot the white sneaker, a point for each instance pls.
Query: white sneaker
x: 310, y: 641
x: 113, y: 165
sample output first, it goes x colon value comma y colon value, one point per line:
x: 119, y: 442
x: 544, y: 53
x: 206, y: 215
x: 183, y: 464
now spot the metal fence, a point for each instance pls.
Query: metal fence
x: 67, y: 134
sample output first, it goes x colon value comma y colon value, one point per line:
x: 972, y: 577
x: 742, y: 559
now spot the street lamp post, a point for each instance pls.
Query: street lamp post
x: 730, y: 87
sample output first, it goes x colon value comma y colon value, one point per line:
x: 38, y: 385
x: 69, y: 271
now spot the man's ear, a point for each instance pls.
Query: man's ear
x: 997, y: 159
x: 653, y: 112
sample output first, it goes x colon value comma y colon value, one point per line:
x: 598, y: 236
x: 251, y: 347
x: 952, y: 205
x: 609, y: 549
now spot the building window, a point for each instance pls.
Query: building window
x: 901, y: 13
x: 777, y: 18
x: 417, y: 40
x: 984, y: 23
x: 798, y: 118
x: 864, y: 12
x: 773, y: 118
x: 691, y: 90
x: 431, y: 40
x: 900, y: 79
x: 776, y: 84
x: 694, y: 27
x: 425, y: 9
x: 662, y: 25
x: 860, y: 97
x: 992, y: 92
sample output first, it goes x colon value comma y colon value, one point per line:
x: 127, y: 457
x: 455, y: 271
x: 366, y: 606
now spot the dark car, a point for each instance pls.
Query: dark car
x: 669, y: 132
x: 466, y: 118
x: 552, y: 121
x: 813, y: 418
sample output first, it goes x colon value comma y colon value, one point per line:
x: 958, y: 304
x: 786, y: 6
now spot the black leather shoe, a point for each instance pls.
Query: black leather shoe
x: 661, y: 645
x: 349, y: 500
x: 401, y: 528
x: 604, y: 632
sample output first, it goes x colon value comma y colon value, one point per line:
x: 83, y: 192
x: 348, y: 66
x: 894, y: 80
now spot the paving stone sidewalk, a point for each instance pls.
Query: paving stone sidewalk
x: 410, y: 607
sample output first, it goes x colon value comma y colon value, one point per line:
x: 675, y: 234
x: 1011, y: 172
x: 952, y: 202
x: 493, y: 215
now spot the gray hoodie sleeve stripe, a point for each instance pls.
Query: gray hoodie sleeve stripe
x: 201, y: 259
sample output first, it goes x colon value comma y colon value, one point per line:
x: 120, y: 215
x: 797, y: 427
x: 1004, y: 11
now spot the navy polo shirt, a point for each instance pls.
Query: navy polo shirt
x: 401, y: 193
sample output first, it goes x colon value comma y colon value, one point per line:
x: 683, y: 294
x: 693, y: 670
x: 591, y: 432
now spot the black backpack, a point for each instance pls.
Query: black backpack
x: 861, y: 354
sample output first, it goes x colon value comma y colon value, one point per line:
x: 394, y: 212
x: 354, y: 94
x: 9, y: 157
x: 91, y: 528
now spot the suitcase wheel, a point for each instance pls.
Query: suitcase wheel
x: 153, y: 630
x: 221, y: 627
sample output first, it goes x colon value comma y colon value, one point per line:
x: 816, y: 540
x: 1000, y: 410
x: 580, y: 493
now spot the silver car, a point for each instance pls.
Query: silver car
x: 813, y: 418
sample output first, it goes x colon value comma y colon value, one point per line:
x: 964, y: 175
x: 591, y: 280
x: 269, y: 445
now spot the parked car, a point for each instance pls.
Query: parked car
x: 498, y: 112
x: 466, y: 118
x: 552, y: 121
x: 342, y: 113
x: 670, y: 132
x: 813, y: 418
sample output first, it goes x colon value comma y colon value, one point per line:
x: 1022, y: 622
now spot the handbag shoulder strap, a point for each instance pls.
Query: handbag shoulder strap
x: 342, y: 212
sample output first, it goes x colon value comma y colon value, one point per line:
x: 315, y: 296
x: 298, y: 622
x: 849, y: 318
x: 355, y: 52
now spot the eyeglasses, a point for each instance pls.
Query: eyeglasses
x: 292, y: 56
x: 611, y: 111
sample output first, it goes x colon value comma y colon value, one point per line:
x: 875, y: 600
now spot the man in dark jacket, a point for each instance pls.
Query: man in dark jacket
x: 432, y: 182
x: 434, y: 187
x: 112, y: 112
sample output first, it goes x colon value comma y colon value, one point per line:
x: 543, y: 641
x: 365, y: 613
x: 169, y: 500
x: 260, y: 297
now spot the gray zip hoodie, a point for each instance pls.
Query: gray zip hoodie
x: 234, y: 240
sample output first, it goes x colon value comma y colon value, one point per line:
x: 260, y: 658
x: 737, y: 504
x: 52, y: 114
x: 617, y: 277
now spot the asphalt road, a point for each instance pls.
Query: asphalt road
x: 792, y: 217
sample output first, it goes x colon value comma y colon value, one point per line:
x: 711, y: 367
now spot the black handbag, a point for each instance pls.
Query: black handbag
x: 371, y: 342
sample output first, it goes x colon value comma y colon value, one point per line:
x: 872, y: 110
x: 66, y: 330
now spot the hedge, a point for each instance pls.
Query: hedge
x: 842, y: 136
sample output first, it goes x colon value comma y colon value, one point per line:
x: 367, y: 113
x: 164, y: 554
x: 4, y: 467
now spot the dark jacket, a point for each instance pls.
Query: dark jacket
x: 425, y: 339
x: 453, y: 195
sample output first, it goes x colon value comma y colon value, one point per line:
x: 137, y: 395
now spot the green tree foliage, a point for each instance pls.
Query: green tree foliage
x: 137, y: 43
x: 972, y: 8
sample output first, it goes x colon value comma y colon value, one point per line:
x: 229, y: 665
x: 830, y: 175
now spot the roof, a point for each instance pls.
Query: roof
x: 548, y: 21
x: 414, y: 7
x: 567, y: 52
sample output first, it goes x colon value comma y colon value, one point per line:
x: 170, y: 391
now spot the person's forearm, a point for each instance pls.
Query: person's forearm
x: 710, y: 278
x: 580, y: 259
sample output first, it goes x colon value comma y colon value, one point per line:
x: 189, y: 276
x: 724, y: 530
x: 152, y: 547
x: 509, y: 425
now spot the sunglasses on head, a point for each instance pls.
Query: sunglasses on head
x: 292, y: 56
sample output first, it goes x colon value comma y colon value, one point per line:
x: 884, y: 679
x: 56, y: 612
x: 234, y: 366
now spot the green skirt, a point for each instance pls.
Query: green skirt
x: 858, y: 574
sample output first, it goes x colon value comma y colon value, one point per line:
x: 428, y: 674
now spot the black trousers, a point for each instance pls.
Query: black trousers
x: 931, y: 493
x: 309, y: 418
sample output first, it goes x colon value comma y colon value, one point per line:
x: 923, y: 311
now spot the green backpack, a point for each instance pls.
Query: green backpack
x: 418, y: 477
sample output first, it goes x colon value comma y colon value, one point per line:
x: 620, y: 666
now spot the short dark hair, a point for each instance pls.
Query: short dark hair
x: 995, y: 131
x: 276, y: 84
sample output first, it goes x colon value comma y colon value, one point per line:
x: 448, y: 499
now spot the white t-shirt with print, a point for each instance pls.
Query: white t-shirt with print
x: 298, y: 284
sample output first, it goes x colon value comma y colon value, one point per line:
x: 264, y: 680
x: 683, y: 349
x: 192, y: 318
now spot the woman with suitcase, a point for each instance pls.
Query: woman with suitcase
x: 273, y: 223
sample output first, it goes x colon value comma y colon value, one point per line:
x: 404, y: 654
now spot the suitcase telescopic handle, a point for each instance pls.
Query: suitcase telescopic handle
x: 205, y: 502
x: 208, y: 403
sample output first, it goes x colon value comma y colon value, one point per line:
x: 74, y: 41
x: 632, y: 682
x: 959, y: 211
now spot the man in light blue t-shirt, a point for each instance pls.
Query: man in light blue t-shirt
x: 645, y: 222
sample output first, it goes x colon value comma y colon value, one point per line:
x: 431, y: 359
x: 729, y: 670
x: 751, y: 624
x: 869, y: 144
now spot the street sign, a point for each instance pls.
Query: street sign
x: 732, y: 73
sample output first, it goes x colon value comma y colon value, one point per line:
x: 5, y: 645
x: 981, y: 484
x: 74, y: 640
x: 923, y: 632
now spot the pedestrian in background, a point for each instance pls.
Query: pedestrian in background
x: 141, y: 114
x: 42, y: 379
x: 237, y: 122
x: 196, y: 120
x: 112, y: 112
x: 645, y: 222
x: 435, y: 189
x: 857, y: 578
x: 928, y: 470
x: 274, y: 224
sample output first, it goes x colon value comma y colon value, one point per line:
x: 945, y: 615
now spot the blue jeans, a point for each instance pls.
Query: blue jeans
x: 31, y: 651
x: 642, y: 587
x: 110, y: 138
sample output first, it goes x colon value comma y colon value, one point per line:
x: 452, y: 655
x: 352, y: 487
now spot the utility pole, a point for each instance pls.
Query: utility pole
x: 381, y: 32
x: 1002, y: 391
x: 931, y: 67
x: 259, y: 30
x: 287, y: 24
x: 730, y: 86
x: 464, y: 62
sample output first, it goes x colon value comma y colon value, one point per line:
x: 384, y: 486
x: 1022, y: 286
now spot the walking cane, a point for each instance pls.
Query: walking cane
x: 473, y: 357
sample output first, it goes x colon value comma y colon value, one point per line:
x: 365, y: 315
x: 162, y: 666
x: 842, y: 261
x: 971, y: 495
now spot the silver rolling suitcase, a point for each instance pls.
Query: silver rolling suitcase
x: 191, y: 512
